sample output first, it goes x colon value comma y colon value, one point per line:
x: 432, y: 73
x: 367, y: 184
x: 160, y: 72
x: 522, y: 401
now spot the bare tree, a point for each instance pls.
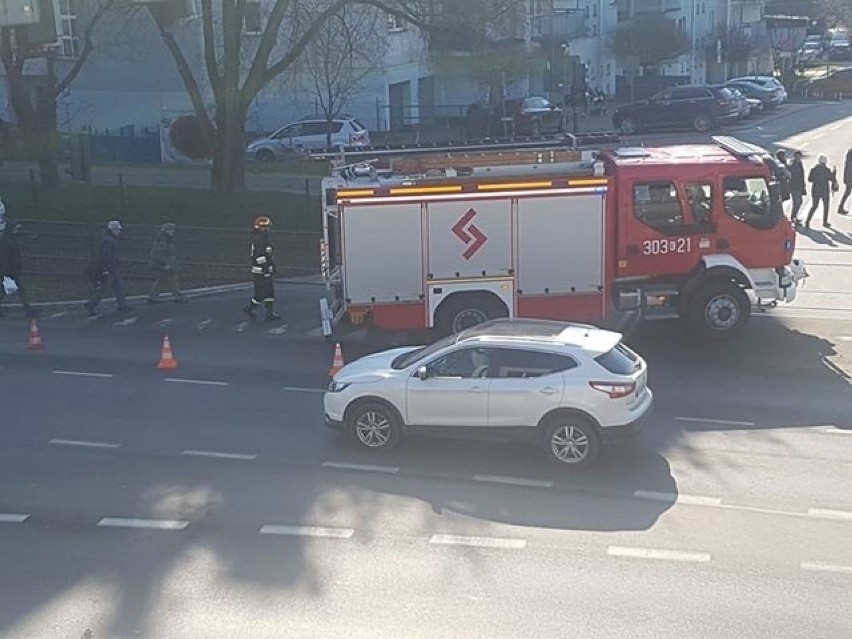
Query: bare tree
x: 34, y: 103
x: 345, y: 51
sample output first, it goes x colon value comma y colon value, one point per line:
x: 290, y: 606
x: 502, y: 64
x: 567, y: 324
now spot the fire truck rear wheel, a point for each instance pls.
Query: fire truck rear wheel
x: 719, y: 309
x: 459, y: 312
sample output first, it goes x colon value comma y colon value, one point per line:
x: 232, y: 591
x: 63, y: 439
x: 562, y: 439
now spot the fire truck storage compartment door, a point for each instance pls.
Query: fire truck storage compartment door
x: 470, y: 238
x: 383, y: 253
x: 560, y: 244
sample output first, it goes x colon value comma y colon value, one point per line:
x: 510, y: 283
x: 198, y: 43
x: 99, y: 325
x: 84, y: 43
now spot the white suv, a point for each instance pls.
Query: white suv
x: 570, y: 387
x: 305, y: 135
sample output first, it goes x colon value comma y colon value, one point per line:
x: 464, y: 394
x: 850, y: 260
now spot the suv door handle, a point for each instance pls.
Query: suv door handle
x: 476, y: 389
x: 548, y: 390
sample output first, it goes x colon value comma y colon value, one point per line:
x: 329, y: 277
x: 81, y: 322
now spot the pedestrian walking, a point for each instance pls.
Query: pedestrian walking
x: 798, y: 188
x: 847, y: 181
x: 164, y: 264
x: 823, y: 181
x: 262, y: 270
x: 104, y: 271
x: 10, y: 266
x: 783, y: 174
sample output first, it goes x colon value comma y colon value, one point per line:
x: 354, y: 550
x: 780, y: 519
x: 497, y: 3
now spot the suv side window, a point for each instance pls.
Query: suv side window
x: 748, y: 200
x: 291, y: 131
x: 464, y: 363
x: 690, y: 93
x: 657, y: 205
x: 513, y: 363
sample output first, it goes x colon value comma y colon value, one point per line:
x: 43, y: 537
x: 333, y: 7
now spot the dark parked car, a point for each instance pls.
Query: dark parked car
x: 531, y: 116
x: 836, y: 82
x: 697, y: 106
x: 839, y: 51
x: 769, y: 97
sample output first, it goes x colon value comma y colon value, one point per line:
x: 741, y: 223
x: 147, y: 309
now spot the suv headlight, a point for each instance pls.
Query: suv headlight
x: 336, y: 387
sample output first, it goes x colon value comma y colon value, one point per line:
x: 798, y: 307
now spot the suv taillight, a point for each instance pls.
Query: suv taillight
x: 360, y: 136
x: 615, y: 390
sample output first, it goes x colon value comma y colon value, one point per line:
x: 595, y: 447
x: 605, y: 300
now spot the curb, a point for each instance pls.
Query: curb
x: 193, y: 293
x: 783, y: 113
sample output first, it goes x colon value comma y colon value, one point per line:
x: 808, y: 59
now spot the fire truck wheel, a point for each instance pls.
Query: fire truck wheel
x: 459, y: 312
x: 719, y: 309
x: 702, y: 122
x: 570, y: 441
x: 629, y: 126
x: 373, y: 425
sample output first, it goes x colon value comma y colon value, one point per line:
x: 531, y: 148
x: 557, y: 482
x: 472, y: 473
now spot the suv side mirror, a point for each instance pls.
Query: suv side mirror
x: 422, y: 373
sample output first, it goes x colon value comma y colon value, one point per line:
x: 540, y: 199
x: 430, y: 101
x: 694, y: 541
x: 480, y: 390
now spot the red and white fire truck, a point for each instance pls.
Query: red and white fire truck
x: 448, y: 238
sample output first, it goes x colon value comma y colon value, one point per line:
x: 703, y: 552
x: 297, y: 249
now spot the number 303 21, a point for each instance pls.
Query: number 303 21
x: 662, y: 247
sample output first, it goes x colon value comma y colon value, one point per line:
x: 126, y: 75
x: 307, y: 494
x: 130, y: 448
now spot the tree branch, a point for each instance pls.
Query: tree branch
x: 210, y: 45
x: 189, y: 81
x: 88, y: 46
x: 267, y: 43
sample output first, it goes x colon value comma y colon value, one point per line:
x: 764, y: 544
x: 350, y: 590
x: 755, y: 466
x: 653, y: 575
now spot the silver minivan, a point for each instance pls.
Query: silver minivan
x: 306, y: 135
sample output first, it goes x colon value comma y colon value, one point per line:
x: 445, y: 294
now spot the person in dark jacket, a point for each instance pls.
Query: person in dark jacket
x: 823, y: 181
x: 783, y: 174
x: 798, y: 188
x: 164, y: 264
x: 10, y: 263
x: 105, y: 271
x: 262, y: 270
x: 847, y: 180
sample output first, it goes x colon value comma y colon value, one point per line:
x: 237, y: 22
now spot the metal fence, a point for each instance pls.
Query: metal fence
x: 207, y: 256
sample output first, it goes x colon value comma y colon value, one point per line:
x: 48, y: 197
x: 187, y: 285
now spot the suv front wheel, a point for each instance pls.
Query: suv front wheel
x: 571, y: 441
x: 373, y: 425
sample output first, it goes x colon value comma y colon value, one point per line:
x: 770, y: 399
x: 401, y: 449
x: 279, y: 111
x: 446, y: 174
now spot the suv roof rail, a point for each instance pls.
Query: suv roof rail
x: 738, y: 148
x: 569, y: 141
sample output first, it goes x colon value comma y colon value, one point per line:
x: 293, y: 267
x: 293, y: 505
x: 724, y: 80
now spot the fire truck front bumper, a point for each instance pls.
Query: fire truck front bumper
x: 789, y: 279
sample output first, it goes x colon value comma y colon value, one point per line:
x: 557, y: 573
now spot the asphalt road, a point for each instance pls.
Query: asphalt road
x: 209, y: 501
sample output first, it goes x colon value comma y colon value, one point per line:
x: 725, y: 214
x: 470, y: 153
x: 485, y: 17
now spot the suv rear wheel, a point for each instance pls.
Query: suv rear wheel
x: 571, y: 441
x: 265, y: 155
x: 629, y: 125
x: 702, y: 122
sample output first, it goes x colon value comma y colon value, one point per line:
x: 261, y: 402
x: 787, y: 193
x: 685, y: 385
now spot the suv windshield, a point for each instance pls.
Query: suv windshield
x: 412, y: 357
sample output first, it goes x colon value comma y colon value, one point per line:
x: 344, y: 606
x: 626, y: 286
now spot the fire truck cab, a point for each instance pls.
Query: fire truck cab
x: 449, y: 239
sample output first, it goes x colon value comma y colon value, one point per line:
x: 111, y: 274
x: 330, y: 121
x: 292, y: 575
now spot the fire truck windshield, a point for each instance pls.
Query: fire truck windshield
x: 752, y: 200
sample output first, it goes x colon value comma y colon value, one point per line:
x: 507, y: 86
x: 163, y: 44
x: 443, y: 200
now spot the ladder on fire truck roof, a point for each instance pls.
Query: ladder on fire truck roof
x: 493, y: 157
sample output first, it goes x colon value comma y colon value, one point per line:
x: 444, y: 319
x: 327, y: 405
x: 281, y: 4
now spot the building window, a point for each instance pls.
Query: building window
x: 252, y: 23
x: 395, y: 23
x: 68, y: 37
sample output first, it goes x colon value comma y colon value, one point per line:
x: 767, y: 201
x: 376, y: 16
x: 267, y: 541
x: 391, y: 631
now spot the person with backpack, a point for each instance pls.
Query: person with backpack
x: 104, y: 273
x: 798, y: 187
x: 847, y: 181
x: 164, y: 264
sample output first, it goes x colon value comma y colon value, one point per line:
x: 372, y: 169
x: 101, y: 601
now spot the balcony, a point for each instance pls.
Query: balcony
x: 565, y: 25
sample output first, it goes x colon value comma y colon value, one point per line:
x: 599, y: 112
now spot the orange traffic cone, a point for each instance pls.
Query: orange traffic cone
x: 35, y: 337
x: 167, y: 359
x: 337, y: 362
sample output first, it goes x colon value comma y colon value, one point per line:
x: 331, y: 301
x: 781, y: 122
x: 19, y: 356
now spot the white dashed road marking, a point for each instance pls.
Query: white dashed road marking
x: 390, y: 470
x: 658, y: 553
x: 825, y: 513
x: 83, y: 374
x: 83, y: 444
x: 165, y: 322
x: 203, y: 324
x: 278, y: 330
x: 148, y: 524
x: 296, y: 389
x: 705, y: 420
x: 680, y: 498
x: 200, y: 382
x: 242, y: 326
x: 13, y: 518
x: 818, y: 566
x: 58, y: 315
x: 127, y: 322
x: 308, y: 531
x: 217, y: 455
x: 513, y: 481
x: 480, y: 542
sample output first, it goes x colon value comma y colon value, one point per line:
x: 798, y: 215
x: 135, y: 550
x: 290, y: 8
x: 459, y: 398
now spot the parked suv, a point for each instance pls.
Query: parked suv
x: 570, y: 388
x: 308, y: 134
x: 697, y: 106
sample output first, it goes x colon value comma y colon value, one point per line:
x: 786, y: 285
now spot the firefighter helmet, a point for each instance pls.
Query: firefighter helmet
x: 262, y: 223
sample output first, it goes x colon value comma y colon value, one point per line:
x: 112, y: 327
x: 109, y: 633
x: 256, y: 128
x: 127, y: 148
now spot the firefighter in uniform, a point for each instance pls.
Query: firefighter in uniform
x: 262, y: 270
